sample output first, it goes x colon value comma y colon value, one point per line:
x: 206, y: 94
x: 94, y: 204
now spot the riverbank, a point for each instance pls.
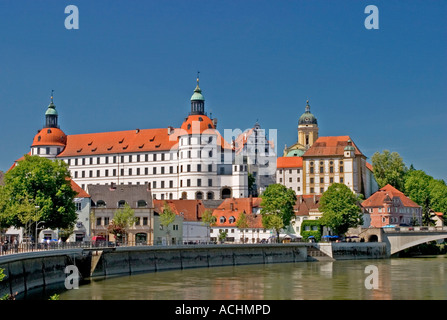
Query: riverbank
x: 30, y: 271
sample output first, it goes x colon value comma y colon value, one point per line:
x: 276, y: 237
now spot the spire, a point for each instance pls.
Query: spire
x: 307, y: 105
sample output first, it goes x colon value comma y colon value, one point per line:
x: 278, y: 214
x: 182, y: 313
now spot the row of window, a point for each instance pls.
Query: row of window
x: 331, y: 180
x: 331, y: 169
x: 122, y: 159
x: 105, y: 221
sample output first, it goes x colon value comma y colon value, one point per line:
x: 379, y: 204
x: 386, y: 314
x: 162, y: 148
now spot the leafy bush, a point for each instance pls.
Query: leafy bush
x: 307, y: 233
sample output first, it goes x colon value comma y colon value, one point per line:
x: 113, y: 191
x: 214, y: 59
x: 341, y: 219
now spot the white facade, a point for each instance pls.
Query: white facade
x: 291, y: 178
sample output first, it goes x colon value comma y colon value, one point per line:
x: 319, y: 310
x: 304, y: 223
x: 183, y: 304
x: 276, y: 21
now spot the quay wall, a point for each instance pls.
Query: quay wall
x: 36, y: 270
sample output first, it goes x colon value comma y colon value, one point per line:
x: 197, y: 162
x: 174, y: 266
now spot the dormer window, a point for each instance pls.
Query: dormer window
x: 141, y: 203
x: 232, y: 219
x: 100, y: 204
x: 222, y: 219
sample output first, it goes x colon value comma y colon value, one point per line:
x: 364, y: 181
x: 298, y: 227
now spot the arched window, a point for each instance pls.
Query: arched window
x: 226, y: 193
x: 210, y: 195
x: 100, y: 203
x: 184, y: 195
x: 222, y: 219
x: 199, y: 195
x: 121, y: 203
x: 232, y: 219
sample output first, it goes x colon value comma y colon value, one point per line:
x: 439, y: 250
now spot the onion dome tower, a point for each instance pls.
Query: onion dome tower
x: 197, y: 100
x: 50, y: 141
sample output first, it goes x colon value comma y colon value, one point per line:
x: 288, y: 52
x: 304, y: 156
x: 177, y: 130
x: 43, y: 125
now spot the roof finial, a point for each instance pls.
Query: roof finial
x: 52, y: 96
x: 307, y: 105
x: 198, y: 73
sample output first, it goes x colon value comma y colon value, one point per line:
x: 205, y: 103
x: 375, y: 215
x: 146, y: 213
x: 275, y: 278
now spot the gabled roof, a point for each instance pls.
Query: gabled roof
x: 233, y: 207
x: 306, y: 204
x: 388, y: 193
x: 330, y: 146
x: 289, y: 162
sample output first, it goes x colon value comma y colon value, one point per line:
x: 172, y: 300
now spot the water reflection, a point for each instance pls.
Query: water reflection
x: 408, y: 278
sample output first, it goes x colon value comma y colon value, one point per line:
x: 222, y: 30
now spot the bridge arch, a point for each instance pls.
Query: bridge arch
x: 401, y: 241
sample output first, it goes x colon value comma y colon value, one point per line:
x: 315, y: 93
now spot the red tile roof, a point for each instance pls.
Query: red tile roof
x: 233, y: 207
x: 190, y: 210
x: 139, y: 140
x: 330, y: 146
x: 81, y: 193
x: 387, y: 193
x: 306, y: 204
x: 289, y: 162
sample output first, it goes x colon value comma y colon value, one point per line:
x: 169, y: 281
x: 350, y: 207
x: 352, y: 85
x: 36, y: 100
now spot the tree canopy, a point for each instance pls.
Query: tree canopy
x: 38, y: 189
x: 389, y: 168
x: 277, y: 207
x: 340, y: 209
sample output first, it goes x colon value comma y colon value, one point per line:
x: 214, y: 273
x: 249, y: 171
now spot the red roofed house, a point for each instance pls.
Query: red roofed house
x: 192, y: 161
x: 227, y: 215
x: 389, y: 206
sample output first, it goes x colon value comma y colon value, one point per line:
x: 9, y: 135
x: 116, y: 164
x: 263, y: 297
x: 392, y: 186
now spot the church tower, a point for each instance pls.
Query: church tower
x: 307, y: 128
x: 307, y: 134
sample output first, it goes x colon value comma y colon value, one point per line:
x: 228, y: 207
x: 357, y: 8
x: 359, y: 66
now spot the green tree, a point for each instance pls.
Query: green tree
x: 166, y: 218
x: 123, y: 219
x: 389, y: 168
x: 37, y: 182
x: 208, y: 220
x: 277, y: 201
x: 222, y: 236
x: 340, y: 209
x: 242, y: 223
x: 438, y: 195
x: 417, y: 188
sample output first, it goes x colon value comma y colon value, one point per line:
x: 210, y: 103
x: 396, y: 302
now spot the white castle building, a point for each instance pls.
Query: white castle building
x: 190, y: 162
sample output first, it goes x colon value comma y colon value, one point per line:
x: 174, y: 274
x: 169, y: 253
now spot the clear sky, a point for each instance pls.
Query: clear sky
x: 133, y: 64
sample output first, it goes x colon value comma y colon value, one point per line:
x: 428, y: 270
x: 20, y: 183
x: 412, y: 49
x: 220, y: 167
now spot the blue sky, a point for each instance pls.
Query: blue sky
x: 133, y: 64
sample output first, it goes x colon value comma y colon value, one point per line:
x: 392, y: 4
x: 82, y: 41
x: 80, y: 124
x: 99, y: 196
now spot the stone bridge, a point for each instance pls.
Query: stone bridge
x: 400, y: 238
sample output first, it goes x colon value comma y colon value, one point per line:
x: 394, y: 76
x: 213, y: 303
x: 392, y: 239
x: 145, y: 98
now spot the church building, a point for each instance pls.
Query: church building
x: 313, y: 163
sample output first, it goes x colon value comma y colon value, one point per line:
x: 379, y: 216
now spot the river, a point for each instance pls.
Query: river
x: 422, y: 278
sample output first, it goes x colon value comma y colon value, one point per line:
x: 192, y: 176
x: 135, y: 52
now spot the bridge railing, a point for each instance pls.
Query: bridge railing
x: 415, y: 229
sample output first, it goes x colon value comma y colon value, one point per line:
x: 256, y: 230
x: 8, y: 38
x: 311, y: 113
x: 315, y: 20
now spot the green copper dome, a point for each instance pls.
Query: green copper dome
x: 295, y: 153
x: 197, y: 95
x: 307, y: 117
x: 349, y: 147
x: 51, y: 111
